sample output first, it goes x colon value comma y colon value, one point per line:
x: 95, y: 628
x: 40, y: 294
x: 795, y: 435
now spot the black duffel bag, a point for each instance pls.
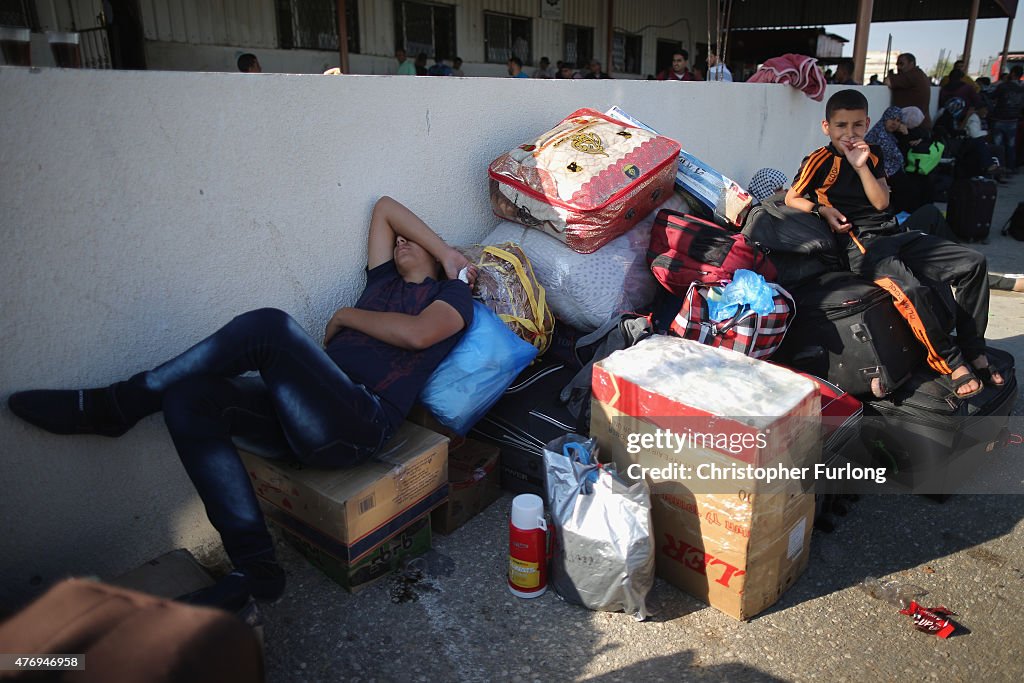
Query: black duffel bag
x: 799, y: 244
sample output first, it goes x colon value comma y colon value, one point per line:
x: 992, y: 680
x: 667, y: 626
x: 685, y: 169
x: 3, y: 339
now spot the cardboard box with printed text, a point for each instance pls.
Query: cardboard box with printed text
x: 737, y: 545
x: 356, y: 573
x: 359, y: 506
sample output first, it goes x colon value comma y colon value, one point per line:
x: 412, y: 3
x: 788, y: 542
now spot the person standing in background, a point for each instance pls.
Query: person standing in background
x: 249, y: 64
x: 594, y: 70
x: 405, y: 67
x: 844, y: 73
x: 421, y: 64
x: 680, y: 69
x: 911, y: 87
x: 544, y: 70
x: 717, y: 70
x: 515, y: 67
x: 958, y: 65
x: 1008, y: 100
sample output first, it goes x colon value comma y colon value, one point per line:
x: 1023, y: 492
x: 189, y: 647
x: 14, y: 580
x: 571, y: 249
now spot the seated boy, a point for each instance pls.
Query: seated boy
x: 327, y: 406
x: 844, y: 183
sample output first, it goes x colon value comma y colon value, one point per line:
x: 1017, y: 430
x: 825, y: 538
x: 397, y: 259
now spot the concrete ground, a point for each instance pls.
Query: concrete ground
x: 465, y: 626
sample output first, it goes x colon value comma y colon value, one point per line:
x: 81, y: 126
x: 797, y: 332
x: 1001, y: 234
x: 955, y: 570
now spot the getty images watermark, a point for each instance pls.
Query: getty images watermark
x: 734, y: 443
x: 704, y: 454
x: 749, y: 473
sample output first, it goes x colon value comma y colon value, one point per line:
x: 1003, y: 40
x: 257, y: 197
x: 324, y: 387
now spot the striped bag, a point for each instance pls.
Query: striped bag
x: 747, y: 332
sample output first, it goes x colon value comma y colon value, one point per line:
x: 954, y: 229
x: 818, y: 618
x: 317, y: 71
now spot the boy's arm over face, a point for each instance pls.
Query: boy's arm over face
x: 390, y: 219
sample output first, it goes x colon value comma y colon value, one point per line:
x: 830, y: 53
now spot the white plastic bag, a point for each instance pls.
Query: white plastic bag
x: 604, y: 549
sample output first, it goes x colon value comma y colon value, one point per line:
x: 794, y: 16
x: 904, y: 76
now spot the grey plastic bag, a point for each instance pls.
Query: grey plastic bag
x: 604, y: 550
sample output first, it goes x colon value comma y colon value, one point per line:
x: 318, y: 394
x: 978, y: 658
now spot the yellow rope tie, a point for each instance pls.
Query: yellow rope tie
x: 537, y: 303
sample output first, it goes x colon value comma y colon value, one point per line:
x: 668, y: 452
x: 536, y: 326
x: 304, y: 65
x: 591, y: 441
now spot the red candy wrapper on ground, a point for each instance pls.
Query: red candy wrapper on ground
x: 934, y: 620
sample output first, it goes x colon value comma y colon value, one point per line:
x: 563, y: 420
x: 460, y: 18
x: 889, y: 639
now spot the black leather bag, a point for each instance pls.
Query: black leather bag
x: 799, y: 244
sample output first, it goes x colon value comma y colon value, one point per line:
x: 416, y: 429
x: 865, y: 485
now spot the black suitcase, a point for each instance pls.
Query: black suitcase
x: 848, y: 331
x: 971, y: 204
x: 528, y: 416
x: 921, y: 433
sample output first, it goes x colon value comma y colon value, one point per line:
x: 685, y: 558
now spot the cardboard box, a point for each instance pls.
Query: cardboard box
x: 355, y: 573
x: 472, y: 485
x: 361, y: 506
x: 737, y: 545
x: 168, y: 576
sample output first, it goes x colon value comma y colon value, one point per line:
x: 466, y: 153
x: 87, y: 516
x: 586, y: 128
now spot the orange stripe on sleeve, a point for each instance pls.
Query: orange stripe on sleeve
x: 811, y: 167
x: 906, y: 308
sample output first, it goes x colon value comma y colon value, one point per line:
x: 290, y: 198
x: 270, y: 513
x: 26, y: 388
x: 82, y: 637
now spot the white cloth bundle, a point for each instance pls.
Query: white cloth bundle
x: 585, y: 290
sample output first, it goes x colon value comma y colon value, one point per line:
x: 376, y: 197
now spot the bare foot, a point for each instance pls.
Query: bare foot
x: 970, y: 387
x: 877, y: 389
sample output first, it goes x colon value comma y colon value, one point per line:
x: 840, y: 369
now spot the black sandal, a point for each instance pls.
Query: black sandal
x: 985, y: 375
x: 953, y: 384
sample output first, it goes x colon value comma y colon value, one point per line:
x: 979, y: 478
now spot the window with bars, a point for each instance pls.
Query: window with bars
x: 313, y: 24
x: 579, y: 45
x: 20, y: 13
x: 506, y: 35
x: 425, y: 27
x: 627, y: 52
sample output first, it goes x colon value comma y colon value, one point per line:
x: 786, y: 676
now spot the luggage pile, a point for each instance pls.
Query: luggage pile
x: 681, y: 311
x: 602, y: 208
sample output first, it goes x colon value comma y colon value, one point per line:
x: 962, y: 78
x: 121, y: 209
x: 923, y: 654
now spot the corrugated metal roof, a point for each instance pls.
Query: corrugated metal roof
x: 772, y: 13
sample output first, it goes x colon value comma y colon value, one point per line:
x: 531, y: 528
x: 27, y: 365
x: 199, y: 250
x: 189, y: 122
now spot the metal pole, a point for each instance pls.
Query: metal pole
x: 724, y: 44
x: 970, y: 35
x: 342, y: 38
x: 860, y: 41
x: 888, y: 53
x: 1006, y: 47
x: 611, y: 38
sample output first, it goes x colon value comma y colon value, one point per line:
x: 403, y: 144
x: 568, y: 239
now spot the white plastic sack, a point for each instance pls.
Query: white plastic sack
x: 585, y: 290
x: 604, y: 548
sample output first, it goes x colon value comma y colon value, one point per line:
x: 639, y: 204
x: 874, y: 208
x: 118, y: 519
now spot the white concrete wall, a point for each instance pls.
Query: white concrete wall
x: 139, y: 211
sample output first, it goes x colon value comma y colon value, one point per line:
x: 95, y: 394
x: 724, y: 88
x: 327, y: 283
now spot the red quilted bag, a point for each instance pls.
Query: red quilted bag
x: 686, y: 249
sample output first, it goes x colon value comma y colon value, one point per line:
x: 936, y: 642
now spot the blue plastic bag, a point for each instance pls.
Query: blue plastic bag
x: 475, y: 373
x: 748, y: 290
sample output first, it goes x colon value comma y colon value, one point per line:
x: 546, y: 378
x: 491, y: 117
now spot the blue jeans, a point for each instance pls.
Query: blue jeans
x: 301, y: 406
x: 1005, y: 133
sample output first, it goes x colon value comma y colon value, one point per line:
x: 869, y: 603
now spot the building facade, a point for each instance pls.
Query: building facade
x: 301, y: 36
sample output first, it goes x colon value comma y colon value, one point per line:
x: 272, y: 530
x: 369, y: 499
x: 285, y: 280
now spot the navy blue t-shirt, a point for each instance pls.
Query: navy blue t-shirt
x: 398, y: 375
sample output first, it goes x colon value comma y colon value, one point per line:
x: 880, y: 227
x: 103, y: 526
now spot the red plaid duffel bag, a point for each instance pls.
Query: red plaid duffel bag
x: 684, y: 249
x: 748, y: 332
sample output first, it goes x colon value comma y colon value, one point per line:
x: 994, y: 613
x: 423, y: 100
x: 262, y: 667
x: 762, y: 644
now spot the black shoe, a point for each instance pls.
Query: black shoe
x: 81, y: 411
x: 263, y: 580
